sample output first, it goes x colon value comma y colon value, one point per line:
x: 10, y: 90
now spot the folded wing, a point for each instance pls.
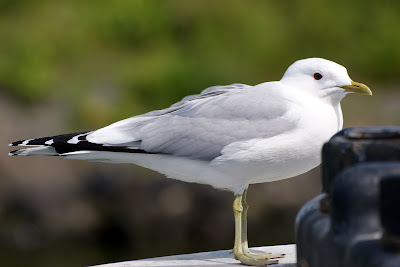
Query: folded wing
x: 200, y: 126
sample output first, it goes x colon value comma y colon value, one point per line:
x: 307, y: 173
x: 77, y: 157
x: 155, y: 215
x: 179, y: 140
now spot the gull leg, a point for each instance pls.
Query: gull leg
x: 245, y: 257
x: 245, y: 244
x: 237, y: 212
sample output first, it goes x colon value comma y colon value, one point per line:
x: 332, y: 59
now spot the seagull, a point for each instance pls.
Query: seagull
x: 227, y: 136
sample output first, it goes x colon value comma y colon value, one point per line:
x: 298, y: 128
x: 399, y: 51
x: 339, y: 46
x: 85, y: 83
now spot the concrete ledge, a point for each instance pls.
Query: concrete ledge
x: 212, y: 258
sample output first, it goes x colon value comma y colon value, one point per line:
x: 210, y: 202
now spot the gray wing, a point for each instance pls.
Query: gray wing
x: 206, y: 93
x: 200, y: 126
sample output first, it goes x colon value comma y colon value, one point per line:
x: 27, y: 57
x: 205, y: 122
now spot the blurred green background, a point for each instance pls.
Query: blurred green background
x: 74, y: 65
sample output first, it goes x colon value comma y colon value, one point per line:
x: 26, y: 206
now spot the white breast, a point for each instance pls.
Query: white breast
x: 289, y: 154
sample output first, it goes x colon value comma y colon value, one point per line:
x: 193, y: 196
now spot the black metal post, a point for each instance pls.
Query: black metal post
x: 329, y: 227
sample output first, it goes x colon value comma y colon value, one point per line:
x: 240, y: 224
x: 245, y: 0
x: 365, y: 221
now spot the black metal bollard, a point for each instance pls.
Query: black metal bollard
x: 390, y: 213
x: 354, y: 145
x: 330, y: 224
x: 383, y: 249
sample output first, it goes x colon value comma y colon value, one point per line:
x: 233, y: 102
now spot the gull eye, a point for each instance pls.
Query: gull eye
x: 317, y: 76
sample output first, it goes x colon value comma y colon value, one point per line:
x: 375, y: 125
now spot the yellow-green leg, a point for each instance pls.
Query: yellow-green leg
x: 241, y: 247
x: 244, y: 233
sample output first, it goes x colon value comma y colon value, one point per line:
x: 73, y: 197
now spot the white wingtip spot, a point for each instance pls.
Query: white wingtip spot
x: 25, y: 142
x: 11, y: 154
x: 10, y: 144
x: 74, y: 140
x: 49, y: 142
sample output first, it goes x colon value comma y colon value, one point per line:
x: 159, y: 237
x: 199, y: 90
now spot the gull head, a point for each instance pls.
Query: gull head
x: 323, y: 78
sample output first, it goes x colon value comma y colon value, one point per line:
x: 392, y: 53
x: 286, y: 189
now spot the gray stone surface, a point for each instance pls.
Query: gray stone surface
x: 212, y: 258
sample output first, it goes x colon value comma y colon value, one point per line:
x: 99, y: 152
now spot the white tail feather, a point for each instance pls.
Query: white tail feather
x: 41, y: 150
x: 99, y: 156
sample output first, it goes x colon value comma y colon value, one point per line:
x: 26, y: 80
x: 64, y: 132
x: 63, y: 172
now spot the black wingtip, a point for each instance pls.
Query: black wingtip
x: 15, y: 143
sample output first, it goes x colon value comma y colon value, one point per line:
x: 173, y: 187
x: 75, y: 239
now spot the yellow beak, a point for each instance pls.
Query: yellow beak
x: 358, y: 88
